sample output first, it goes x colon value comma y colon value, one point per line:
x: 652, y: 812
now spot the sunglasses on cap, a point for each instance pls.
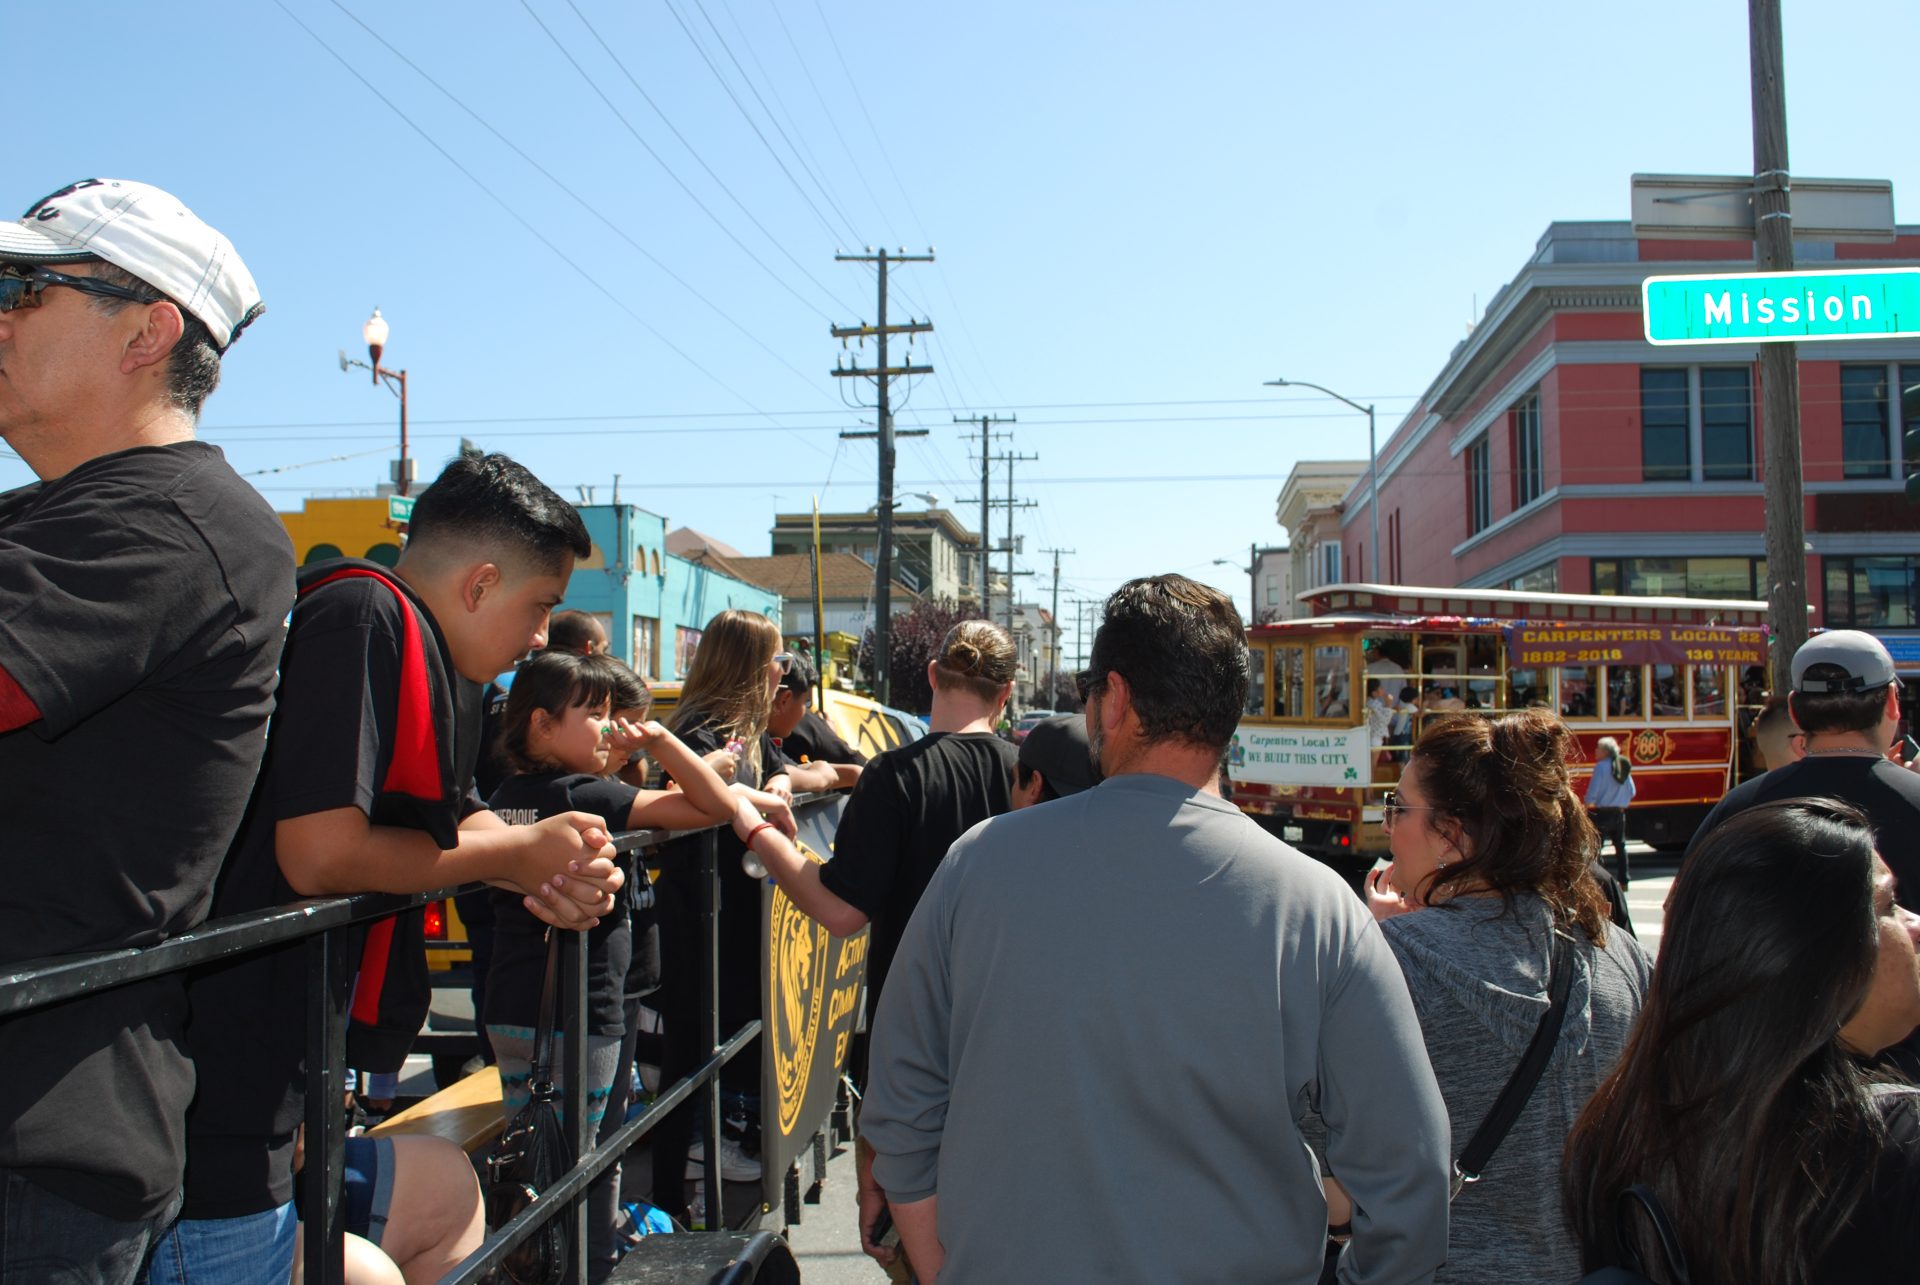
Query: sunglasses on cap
x: 20, y: 289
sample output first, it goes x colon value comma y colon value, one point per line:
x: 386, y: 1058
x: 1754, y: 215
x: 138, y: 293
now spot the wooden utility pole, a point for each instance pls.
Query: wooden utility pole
x: 1779, y: 362
x: 883, y: 376
x: 1053, y: 670
x: 1010, y: 504
x: 987, y: 435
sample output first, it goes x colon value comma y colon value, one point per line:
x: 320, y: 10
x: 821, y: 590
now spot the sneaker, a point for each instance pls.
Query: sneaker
x: 735, y: 1164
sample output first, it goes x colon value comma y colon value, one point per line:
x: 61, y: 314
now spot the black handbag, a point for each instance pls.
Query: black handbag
x: 1663, y: 1231
x: 533, y: 1154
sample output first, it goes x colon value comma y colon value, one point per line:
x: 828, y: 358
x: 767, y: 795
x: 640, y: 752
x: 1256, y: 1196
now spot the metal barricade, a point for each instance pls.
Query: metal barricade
x: 323, y: 923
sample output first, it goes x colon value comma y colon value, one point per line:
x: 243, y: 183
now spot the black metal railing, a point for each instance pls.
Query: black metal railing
x: 322, y: 923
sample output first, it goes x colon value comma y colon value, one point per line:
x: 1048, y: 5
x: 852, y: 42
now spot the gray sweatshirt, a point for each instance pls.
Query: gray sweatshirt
x: 1479, y: 983
x: 1106, y: 1015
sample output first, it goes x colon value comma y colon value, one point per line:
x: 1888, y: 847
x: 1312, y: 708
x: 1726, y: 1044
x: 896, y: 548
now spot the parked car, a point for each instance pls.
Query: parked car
x: 1028, y: 721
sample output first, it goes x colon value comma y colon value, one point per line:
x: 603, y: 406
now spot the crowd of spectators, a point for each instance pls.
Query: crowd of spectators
x: 1119, y: 1032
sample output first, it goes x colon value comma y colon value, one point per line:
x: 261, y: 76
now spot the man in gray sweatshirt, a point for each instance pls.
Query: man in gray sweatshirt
x: 1109, y: 1012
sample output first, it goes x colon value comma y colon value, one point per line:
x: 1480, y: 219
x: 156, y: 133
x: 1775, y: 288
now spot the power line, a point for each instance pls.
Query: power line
x: 582, y: 202
x: 748, y: 117
x: 658, y: 159
x: 832, y: 118
x: 495, y: 197
x: 756, y: 428
x: 702, y: 162
x: 798, y: 155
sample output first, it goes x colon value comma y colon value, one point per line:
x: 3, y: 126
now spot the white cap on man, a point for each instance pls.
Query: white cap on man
x: 142, y: 230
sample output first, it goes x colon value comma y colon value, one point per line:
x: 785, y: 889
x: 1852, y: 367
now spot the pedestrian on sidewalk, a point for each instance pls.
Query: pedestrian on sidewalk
x: 1609, y: 791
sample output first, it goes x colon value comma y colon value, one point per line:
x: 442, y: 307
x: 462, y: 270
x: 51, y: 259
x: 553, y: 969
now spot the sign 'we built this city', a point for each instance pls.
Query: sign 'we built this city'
x: 1777, y: 307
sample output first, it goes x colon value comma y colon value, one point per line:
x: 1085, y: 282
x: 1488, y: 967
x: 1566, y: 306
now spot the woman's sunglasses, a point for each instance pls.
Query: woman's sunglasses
x: 1391, y: 807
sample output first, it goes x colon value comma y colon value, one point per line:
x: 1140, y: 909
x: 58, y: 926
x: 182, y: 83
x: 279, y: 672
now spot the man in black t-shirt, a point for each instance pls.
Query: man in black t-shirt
x: 804, y: 736
x: 368, y: 787
x: 144, y: 590
x: 1846, y: 700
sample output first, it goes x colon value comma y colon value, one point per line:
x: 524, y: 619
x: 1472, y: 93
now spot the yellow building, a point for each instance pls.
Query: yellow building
x: 345, y: 528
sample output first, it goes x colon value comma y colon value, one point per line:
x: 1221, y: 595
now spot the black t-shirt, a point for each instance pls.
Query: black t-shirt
x: 493, y: 767
x: 739, y: 927
x: 815, y: 741
x: 1888, y: 793
x: 331, y: 744
x: 520, y: 940
x: 1881, y: 1241
x: 143, y: 604
x: 909, y: 806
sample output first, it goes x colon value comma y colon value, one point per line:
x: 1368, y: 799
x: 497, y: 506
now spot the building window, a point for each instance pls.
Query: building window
x: 1544, y: 578
x: 1529, y: 472
x: 1479, y: 488
x: 1872, y: 592
x: 646, y: 647
x: 685, y: 643
x: 1329, y: 563
x: 1737, y: 578
x: 1909, y: 377
x: 1863, y: 422
x: 1665, y: 454
x: 1273, y: 590
x: 1726, y: 423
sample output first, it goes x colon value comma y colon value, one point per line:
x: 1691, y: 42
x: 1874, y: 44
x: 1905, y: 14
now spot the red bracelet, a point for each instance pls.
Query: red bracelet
x: 764, y: 825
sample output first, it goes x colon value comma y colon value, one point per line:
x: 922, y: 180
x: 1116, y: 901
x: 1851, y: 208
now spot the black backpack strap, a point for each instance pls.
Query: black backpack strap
x: 1513, y: 1098
x: 1662, y: 1230
x: 541, y: 1081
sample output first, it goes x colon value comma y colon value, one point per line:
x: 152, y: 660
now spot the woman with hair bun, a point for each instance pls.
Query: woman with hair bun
x: 1491, y: 855
x: 908, y: 807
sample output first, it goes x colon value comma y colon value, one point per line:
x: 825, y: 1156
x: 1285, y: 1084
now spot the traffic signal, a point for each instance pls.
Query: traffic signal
x: 1910, y: 420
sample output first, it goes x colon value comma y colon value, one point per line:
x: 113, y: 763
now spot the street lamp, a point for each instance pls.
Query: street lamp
x: 1373, y: 468
x: 375, y: 332
x: 1253, y: 580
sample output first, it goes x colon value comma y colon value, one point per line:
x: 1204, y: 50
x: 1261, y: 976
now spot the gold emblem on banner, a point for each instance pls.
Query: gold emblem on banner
x: 799, y: 953
x: 1648, y: 746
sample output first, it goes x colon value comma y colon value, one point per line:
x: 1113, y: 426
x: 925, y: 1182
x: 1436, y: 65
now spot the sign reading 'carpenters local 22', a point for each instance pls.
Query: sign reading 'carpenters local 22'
x: 1778, y: 307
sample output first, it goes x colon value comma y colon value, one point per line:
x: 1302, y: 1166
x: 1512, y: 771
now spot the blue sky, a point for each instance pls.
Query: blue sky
x: 1141, y: 212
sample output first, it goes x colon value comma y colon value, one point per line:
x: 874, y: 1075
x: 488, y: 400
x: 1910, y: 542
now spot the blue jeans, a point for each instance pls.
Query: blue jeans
x: 46, y: 1238
x: 254, y: 1248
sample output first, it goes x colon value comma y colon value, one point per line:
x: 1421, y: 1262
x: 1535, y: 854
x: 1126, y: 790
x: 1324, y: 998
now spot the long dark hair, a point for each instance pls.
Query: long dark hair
x: 554, y: 681
x: 1734, y: 1100
x: 1505, y: 781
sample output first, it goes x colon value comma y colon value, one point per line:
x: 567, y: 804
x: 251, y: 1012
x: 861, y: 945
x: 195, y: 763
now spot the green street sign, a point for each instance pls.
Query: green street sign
x: 399, y: 508
x: 1781, y: 307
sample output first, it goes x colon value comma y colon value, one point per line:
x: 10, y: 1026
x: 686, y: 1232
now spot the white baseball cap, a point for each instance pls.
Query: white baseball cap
x: 142, y: 230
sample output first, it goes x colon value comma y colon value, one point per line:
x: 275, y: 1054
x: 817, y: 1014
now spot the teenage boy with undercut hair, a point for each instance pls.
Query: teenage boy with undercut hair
x: 368, y: 787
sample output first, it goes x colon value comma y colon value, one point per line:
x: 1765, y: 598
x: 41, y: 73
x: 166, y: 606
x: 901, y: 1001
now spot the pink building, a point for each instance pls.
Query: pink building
x: 1558, y: 450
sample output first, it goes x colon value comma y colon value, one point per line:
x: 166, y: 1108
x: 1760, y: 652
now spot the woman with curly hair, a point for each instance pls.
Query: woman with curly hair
x: 1741, y: 1102
x: 1491, y: 856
